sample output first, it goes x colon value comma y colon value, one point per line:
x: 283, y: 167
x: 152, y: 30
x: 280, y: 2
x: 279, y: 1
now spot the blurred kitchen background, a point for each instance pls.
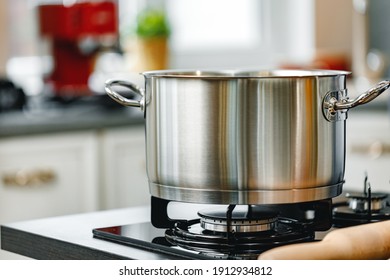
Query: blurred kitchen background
x: 66, y: 148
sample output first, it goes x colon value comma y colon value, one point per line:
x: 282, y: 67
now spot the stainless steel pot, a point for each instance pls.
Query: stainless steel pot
x: 235, y: 137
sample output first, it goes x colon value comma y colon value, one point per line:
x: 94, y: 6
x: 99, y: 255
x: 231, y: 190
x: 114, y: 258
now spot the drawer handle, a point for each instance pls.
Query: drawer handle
x: 23, y: 177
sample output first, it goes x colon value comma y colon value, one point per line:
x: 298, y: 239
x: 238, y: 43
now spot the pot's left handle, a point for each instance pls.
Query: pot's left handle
x: 123, y: 100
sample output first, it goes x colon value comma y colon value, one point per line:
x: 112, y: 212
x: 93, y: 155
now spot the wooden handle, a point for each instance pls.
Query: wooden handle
x: 363, y: 242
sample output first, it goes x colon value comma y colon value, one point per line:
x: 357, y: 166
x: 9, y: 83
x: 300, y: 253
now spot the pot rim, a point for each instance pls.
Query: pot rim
x: 234, y: 74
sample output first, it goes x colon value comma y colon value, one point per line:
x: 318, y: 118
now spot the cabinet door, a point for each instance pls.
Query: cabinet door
x: 368, y: 151
x: 123, y: 168
x: 42, y: 176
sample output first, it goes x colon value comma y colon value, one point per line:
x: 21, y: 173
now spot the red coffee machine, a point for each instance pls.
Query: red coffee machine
x: 77, y: 33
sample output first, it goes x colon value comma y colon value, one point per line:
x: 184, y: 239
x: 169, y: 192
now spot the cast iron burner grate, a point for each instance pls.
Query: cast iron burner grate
x: 221, y: 233
x: 236, y: 245
x: 243, y: 231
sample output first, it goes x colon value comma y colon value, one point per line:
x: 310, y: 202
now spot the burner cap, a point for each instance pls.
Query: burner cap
x: 359, y: 202
x: 244, y: 218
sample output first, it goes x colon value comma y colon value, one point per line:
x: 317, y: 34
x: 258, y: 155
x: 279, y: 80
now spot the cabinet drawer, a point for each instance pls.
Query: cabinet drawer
x: 47, y: 176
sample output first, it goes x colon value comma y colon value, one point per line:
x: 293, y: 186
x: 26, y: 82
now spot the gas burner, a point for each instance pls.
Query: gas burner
x: 243, y: 234
x: 362, y: 208
x: 362, y: 203
x: 244, y: 218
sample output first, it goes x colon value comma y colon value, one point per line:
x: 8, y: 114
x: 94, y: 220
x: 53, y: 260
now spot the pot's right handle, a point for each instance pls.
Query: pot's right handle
x: 364, y: 98
x: 336, y: 103
x: 123, y: 100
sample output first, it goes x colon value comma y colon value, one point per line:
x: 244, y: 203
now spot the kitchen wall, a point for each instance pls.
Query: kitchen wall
x: 247, y: 34
x: 333, y: 26
x: 3, y: 35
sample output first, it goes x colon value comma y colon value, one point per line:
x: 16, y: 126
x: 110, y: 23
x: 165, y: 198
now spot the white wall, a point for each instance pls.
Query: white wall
x: 281, y: 31
x: 333, y: 26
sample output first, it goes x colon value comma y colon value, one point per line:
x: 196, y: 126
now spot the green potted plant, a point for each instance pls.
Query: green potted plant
x: 152, y: 32
x: 152, y: 23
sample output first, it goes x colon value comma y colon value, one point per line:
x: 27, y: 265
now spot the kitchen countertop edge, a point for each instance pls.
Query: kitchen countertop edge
x: 71, y: 237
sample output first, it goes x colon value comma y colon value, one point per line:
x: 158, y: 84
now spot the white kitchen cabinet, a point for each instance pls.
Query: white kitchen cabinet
x: 368, y: 151
x: 65, y: 173
x: 47, y: 175
x: 123, y: 165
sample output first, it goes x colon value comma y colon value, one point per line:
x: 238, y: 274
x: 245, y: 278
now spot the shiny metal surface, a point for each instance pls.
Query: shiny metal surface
x: 122, y: 100
x: 359, y: 205
x: 243, y: 140
x: 238, y: 226
x: 334, y: 104
x: 238, y: 219
x: 237, y: 137
x: 367, y: 202
x: 364, y: 98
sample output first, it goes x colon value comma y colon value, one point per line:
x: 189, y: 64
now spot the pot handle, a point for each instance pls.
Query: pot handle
x: 336, y: 104
x: 123, y: 100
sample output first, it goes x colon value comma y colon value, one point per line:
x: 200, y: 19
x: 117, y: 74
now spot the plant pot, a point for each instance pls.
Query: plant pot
x: 151, y: 54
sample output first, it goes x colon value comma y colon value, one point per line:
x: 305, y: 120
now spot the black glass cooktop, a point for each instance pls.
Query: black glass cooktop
x: 190, y: 241
x: 145, y: 236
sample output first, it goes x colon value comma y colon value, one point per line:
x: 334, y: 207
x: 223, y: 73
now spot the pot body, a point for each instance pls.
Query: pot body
x: 243, y: 137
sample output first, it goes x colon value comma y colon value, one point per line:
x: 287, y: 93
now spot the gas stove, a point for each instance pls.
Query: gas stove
x: 361, y: 207
x: 245, y: 231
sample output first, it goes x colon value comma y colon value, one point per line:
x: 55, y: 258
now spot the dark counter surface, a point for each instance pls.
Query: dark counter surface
x: 70, y: 237
x: 68, y: 117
